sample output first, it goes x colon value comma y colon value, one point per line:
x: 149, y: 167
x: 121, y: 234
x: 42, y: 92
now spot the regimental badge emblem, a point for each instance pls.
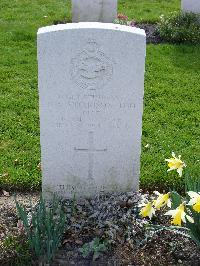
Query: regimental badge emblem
x: 91, y: 69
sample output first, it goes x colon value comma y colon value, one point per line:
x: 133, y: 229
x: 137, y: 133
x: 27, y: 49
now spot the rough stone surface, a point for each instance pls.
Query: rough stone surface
x: 94, y: 10
x: 91, y: 80
x: 191, y: 6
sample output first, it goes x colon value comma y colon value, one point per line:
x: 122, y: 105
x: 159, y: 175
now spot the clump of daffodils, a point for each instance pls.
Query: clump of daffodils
x: 162, y: 200
x: 175, y: 163
x: 183, y: 211
x: 179, y: 215
x: 194, y: 200
x: 149, y: 207
x: 147, y: 210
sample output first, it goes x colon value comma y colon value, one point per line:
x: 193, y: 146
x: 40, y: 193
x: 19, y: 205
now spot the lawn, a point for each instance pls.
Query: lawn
x: 148, y: 10
x: 171, y: 111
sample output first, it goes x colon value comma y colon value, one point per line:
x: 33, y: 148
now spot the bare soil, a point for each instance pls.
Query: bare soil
x: 162, y: 248
x: 152, y: 36
x: 9, y: 220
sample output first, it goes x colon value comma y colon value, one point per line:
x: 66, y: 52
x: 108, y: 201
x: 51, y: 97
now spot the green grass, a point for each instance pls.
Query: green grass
x: 19, y: 140
x: 148, y: 10
x: 171, y: 113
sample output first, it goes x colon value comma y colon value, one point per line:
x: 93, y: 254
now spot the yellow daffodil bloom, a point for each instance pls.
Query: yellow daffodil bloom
x: 147, y: 210
x: 176, y: 164
x: 195, y: 200
x: 162, y: 200
x: 178, y: 215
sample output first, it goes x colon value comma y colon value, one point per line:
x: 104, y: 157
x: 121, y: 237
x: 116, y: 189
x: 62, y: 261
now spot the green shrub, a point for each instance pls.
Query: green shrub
x: 95, y: 247
x: 180, y: 27
x: 15, y: 251
x: 44, y: 228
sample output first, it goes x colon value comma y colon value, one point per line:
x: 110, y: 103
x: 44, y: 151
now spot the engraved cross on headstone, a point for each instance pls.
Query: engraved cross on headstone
x: 91, y: 150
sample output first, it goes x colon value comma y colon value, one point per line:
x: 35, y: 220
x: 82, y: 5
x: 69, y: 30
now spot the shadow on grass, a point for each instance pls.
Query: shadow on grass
x: 186, y: 56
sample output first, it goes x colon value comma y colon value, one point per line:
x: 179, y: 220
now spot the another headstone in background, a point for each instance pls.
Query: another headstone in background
x: 191, y: 6
x: 94, y: 10
x: 91, y: 81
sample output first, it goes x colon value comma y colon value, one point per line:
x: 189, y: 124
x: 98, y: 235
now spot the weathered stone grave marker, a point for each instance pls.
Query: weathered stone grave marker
x: 191, y: 6
x: 90, y: 150
x: 94, y: 10
x: 91, y: 80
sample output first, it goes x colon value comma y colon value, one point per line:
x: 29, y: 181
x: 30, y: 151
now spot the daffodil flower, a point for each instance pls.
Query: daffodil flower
x: 176, y: 164
x: 195, y: 200
x: 147, y: 210
x: 162, y: 200
x: 179, y: 215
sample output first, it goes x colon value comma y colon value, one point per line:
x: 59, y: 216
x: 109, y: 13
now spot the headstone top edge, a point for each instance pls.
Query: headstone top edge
x: 91, y: 25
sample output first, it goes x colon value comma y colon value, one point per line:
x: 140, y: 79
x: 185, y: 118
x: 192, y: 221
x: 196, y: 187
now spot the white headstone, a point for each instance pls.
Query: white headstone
x: 91, y: 80
x: 94, y: 10
x: 191, y: 6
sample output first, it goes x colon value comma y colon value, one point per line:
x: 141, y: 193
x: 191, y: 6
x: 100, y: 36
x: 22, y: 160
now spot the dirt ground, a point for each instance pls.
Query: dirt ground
x: 9, y: 219
x: 163, y: 248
